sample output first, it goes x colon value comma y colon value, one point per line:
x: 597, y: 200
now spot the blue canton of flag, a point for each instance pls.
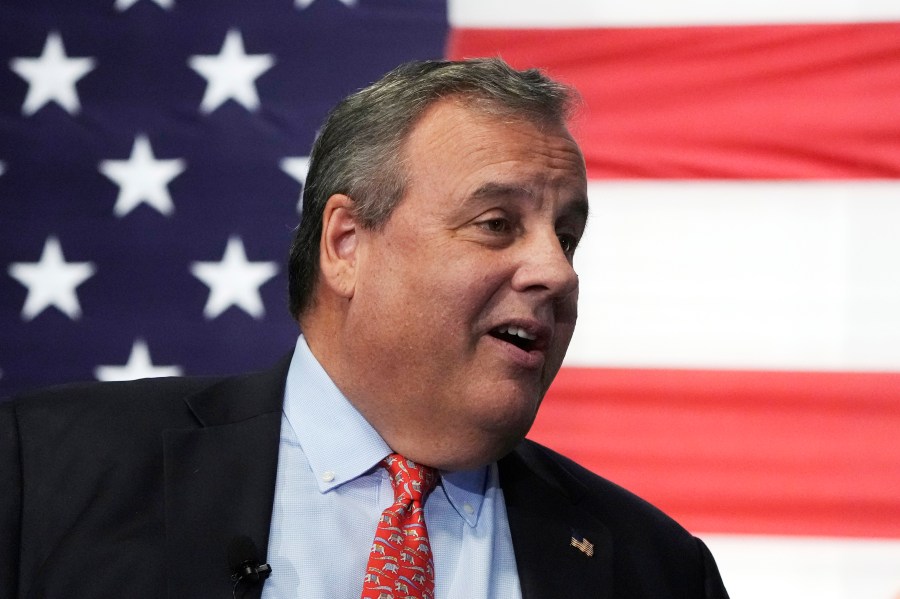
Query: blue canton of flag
x: 152, y: 154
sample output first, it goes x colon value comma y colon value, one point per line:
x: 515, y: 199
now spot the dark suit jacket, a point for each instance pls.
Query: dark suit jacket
x: 137, y: 489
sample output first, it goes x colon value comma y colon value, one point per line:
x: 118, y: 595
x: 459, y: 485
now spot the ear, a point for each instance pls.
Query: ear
x: 338, y: 246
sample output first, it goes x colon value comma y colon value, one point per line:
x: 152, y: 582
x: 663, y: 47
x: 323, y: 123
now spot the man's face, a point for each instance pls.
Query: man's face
x: 466, y: 299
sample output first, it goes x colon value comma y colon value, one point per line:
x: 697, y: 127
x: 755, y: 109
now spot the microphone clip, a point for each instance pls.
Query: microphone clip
x: 251, y: 571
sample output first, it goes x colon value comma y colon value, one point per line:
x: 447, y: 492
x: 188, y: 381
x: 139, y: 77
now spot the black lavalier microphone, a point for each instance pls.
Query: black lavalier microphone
x: 244, y: 563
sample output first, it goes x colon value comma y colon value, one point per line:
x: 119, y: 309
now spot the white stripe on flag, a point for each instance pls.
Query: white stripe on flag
x: 649, y: 13
x: 744, y: 275
x: 791, y: 567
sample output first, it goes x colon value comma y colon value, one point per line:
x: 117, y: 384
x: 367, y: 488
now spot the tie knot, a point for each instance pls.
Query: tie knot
x: 411, y: 481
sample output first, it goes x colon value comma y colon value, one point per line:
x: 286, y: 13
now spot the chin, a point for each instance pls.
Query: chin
x: 477, y: 454
x: 483, y: 424
x: 511, y: 419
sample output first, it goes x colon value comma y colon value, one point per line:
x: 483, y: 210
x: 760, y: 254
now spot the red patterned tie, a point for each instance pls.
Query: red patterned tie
x: 400, y: 563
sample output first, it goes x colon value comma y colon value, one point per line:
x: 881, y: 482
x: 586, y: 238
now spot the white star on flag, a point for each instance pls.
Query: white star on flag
x: 142, y: 179
x: 123, y: 5
x: 302, y: 4
x: 51, y: 281
x: 296, y: 167
x: 139, y: 366
x: 231, y: 74
x: 52, y: 76
x: 234, y: 281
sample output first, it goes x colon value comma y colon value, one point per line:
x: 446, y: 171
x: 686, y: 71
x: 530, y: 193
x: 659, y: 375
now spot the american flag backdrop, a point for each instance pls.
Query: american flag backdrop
x: 153, y: 153
x: 737, y: 360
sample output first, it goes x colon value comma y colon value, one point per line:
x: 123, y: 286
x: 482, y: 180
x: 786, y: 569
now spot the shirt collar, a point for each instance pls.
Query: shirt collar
x: 340, y: 445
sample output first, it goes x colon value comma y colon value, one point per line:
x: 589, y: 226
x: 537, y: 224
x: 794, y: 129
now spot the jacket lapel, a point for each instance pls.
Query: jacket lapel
x: 220, y: 482
x: 542, y: 505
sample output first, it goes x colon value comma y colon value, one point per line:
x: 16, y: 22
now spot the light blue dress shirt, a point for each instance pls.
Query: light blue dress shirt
x: 330, y: 493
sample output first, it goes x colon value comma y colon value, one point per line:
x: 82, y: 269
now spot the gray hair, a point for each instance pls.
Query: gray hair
x: 359, y: 150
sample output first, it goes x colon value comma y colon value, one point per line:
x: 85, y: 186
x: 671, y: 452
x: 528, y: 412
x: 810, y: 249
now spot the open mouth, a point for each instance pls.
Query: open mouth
x: 517, y: 336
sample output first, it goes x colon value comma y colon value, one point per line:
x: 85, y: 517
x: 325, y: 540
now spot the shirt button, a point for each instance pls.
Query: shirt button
x: 328, y: 476
x: 468, y: 509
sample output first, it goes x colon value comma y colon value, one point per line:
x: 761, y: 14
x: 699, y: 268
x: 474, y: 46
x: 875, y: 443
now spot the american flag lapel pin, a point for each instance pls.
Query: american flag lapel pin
x: 584, y: 546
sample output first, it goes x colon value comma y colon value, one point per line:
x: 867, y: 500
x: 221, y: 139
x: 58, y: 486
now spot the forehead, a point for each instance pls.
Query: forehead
x: 462, y: 151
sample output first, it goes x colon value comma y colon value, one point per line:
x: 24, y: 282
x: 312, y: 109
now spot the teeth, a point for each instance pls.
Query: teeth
x: 518, y: 332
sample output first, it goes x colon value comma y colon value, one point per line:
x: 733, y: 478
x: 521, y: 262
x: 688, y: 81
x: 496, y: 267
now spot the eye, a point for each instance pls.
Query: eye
x: 497, y: 225
x: 568, y: 243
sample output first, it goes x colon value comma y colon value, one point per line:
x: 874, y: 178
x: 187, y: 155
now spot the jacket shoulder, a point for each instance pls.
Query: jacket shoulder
x: 119, y: 394
x: 588, y: 488
x: 649, y: 549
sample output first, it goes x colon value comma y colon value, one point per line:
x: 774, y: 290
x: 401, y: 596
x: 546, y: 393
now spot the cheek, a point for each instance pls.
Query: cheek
x: 456, y: 280
x: 434, y: 284
x: 566, y: 314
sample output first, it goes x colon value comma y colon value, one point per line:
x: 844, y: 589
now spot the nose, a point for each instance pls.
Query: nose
x: 545, y: 267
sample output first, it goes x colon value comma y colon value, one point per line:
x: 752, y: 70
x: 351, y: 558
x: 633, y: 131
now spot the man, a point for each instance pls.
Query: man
x: 432, y: 276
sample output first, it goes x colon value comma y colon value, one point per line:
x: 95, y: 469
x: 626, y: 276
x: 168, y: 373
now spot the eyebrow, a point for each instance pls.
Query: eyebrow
x: 493, y: 190
x: 577, y: 208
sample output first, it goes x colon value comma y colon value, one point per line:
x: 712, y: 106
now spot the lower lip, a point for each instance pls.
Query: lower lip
x: 530, y: 360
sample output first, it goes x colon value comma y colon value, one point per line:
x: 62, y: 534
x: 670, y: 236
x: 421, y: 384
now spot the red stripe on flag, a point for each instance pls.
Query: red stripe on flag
x: 758, y: 102
x: 739, y: 451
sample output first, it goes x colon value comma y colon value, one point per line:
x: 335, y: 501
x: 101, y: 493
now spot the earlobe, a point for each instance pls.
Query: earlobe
x: 338, y: 246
